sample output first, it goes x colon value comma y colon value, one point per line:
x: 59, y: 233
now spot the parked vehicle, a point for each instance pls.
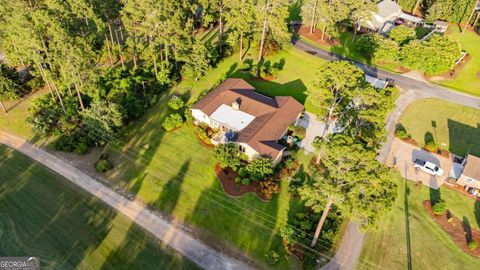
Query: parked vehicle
x: 428, y: 167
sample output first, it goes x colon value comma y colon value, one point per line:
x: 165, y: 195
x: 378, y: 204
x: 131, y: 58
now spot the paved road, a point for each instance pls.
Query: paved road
x: 411, y: 89
x: 201, y: 254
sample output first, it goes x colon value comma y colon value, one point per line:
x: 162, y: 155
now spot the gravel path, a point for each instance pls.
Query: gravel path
x: 192, y: 248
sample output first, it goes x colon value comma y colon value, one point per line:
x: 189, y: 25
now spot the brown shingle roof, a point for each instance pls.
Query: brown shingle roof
x: 272, y: 115
x: 472, y: 167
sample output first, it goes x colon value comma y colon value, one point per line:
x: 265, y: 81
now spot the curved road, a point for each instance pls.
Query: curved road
x: 198, y: 252
x: 411, y: 89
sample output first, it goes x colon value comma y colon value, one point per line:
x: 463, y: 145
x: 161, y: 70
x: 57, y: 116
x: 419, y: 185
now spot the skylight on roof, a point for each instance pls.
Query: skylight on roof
x: 228, y: 116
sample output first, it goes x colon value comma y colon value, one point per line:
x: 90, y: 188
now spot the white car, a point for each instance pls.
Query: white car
x: 428, y: 167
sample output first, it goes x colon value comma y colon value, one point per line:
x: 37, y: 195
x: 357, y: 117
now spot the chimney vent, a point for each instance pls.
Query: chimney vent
x: 236, y: 105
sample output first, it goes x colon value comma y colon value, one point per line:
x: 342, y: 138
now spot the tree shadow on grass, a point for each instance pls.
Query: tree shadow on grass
x: 168, y: 197
x: 247, y: 223
x: 477, y: 211
x: 463, y: 139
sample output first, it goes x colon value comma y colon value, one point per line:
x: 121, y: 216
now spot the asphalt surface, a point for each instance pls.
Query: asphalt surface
x: 402, y: 81
x: 192, y: 248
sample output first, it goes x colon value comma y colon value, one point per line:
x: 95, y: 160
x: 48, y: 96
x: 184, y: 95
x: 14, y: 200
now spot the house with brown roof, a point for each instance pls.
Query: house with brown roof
x: 470, y: 176
x: 243, y: 116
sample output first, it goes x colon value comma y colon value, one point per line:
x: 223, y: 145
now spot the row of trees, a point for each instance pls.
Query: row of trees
x: 331, y: 15
x: 434, y: 55
x: 347, y: 175
x: 454, y: 11
x: 123, y: 53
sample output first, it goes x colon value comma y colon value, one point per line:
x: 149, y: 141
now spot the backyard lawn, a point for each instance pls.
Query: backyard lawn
x: 174, y: 172
x: 468, y: 78
x: 422, y: 242
x: 41, y: 214
x: 454, y: 127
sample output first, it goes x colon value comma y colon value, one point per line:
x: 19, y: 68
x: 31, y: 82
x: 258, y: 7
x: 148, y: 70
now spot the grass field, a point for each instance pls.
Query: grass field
x: 41, y: 214
x: 174, y: 171
x: 430, y: 247
x: 455, y: 126
x: 468, y: 78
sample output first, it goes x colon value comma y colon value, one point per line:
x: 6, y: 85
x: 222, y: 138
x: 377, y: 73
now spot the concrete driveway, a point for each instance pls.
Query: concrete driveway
x: 313, y: 128
x: 403, y: 154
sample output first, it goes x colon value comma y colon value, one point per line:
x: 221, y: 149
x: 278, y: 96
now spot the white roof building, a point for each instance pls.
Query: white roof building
x: 232, y: 118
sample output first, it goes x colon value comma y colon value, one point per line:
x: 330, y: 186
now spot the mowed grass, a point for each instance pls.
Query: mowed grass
x: 468, y: 78
x: 454, y: 127
x: 42, y: 214
x: 14, y: 120
x: 173, y: 172
x: 430, y: 246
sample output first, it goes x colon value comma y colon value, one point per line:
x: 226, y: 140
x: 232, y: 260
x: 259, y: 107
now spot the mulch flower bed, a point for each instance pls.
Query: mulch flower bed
x: 460, y: 232
x: 227, y: 180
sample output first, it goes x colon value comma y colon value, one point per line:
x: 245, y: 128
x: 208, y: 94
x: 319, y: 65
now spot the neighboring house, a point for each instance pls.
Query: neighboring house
x: 470, y: 176
x: 253, y: 121
x: 388, y: 12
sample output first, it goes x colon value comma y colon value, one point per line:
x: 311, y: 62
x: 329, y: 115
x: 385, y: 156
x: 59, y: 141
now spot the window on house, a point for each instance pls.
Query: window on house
x: 241, y: 148
x: 469, y: 180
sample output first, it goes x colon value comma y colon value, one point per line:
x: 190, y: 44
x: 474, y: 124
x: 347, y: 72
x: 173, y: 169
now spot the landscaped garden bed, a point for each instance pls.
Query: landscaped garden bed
x: 227, y: 177
x: 461, y: 232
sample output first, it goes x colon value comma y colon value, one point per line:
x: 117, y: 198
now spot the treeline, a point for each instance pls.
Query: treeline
x: 454, y: 11
x: 105, y: 62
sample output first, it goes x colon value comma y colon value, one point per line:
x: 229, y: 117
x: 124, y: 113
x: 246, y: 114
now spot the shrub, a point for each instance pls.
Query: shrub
x: 299, y: 132
x: 227, y: 155
x: 103, y: 164
x: 269, y: 187
x: 238, y: 180
x: 246, y: 181
x: 187, y: 114
x: 401, y: 132
x: 242, y: 172
x: 272, y: 257
x: 259, y: 168
x: 472, y: 245
x: 431, y: 146
x: 172, y: 121
x: 287, y: 233
x: 176, y: 103
x: 75, y: 142
x: 439, y: 208
x: 402, y: 34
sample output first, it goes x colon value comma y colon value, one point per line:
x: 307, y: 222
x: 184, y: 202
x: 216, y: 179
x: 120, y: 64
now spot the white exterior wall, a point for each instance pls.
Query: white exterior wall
x: 249, y: 151
x: 464, y: 180
x: 200, y: 116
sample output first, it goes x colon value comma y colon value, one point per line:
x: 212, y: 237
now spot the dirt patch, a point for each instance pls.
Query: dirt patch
x: 478, y: 75
x: 460, y: 232
x: 316, y: 36
x: 227, y: 180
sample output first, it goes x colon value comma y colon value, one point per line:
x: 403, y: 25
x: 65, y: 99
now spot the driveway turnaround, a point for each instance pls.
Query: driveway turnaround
x: 402, y: 156
x: 313, y: 128
x: 347, y: 255
x: 192, y: 248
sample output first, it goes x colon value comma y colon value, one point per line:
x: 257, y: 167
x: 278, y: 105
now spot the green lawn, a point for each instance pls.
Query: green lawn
x: 14, y: 120
x: 42, y: 214
x: 430, y: 246
x: 455, y: 126
x: 174, y: 171
x: 467, y: 80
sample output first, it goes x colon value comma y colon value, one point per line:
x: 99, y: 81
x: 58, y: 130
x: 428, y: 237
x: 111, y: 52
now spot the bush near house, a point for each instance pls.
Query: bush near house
x: 439, y: 208
x: 176, y: 103
x: 172, y: 122
x: 259, y: 168
x: 472, y: 245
